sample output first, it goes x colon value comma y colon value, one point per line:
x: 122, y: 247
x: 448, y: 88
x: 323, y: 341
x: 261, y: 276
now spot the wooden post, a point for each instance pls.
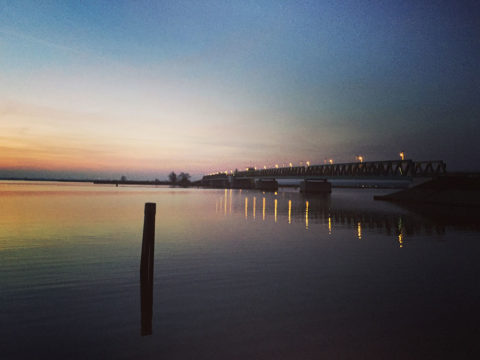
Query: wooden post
x: 148, y: 241
x: 146, y: 269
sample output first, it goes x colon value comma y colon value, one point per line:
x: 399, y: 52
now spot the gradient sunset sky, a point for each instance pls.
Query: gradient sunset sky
x: 140, y: 88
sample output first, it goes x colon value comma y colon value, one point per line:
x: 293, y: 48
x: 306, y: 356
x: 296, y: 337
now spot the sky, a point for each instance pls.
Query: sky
x: 140, y: 88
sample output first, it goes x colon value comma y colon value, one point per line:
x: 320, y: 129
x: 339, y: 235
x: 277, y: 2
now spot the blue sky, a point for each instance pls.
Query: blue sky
x: 145, y: 87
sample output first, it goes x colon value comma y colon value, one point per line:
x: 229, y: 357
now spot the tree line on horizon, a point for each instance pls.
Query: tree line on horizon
x: 183, y: 179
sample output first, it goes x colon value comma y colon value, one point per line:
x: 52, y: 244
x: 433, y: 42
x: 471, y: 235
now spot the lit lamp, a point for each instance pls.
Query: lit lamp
x: 402, y: 155
x: 330, y: 161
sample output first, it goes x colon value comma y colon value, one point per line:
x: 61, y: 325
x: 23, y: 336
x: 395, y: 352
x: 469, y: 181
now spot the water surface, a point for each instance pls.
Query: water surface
x: 238, y: 275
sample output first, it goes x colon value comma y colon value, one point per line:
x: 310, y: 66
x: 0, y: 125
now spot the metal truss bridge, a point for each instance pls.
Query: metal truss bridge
x: 375, y: 170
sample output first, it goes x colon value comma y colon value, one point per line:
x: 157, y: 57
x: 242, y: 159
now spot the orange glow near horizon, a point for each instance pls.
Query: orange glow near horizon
x: 66, y: 136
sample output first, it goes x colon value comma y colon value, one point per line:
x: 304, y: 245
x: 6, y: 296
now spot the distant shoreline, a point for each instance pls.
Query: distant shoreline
x: 93, y: 181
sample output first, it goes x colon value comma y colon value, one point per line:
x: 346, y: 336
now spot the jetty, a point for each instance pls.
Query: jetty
x: 452, y: 189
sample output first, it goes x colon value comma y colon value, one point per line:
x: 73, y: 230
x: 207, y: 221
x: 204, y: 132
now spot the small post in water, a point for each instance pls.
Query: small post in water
x: 146, y: 268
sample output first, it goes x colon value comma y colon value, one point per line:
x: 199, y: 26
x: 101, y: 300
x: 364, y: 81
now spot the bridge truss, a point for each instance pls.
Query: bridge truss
x: 370, y: 169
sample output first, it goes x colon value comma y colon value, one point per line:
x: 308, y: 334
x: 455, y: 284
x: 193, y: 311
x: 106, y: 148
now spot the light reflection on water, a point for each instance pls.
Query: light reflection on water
x: 328, y: 215
x: 312, y: 277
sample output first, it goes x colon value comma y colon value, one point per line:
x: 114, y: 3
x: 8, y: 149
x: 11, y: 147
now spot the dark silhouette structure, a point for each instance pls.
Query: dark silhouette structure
x: 146, y: 269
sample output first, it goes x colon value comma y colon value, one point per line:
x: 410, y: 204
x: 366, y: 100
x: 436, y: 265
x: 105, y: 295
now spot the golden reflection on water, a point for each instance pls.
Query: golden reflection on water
x: 289, y: 211
x: 246, y: 207
x: 47, y: 214
x: 329, y: 225
x: 306, y: 215
x: 276, y: 203
x: 359, y: 230
x: 400, y: 232
x: 263, y: 210
x: 226, y: 200
x: 254, y: 206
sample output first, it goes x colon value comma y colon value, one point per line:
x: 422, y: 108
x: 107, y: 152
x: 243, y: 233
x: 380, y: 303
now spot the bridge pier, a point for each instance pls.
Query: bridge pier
x: 217, y: 183
x: 243, y: 183
x: 267, y: 184
x: 315, y: 186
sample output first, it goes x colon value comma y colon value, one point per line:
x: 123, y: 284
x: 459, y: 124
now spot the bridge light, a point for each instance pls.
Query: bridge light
x: 291, y: 165
x: 265, y: 167
x: 276, y: 165
x: 360, y: 158
x: 308, y: 163
x: 330, y: 161
x: 402, y: 155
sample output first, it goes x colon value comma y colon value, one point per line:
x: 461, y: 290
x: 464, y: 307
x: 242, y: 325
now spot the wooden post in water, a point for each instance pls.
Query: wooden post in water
x: 146, y: 269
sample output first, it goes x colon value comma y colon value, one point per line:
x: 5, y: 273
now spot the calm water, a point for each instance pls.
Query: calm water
x: 238, y: 275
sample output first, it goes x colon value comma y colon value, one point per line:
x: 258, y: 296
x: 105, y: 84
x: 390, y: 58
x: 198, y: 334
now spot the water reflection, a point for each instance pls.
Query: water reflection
x: 334, y: 214
x: 306, y: 215
x: 226, y: 200
x: 263, y: 211
x: 289, y: 211
x: 246, y: 207
x: 146, y: 306
x: 276, y: 203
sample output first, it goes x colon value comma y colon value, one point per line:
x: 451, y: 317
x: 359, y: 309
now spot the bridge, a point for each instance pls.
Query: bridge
x: 266, y: 179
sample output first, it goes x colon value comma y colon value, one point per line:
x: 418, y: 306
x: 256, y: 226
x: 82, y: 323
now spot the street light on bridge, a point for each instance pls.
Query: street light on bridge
x: 360, y: 158
x: 402, y: 155
x: 330, y: 161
